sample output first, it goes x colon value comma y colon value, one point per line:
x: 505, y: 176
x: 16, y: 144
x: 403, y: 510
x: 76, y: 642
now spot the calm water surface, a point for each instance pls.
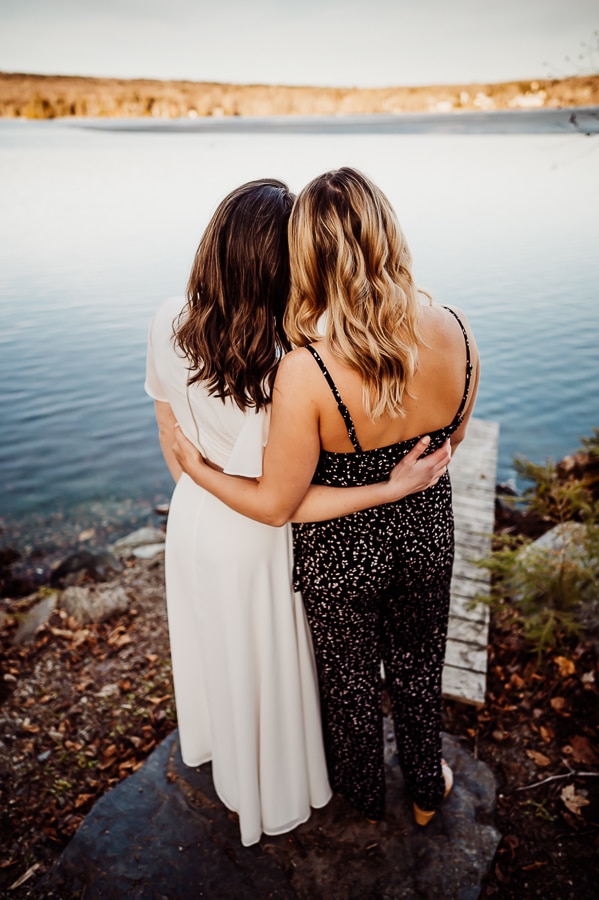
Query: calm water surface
x: 99, y: 226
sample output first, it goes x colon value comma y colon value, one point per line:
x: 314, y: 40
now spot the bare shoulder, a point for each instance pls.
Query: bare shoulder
x: 440, y: 322
x: 299, y: 361
x: 296, y: 369
x: 441, y: 316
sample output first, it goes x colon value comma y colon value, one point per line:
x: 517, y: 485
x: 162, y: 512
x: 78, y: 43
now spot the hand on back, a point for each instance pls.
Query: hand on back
x: 416, y: 472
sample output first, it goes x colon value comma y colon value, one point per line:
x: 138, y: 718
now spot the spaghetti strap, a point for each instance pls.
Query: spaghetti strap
x: 460, y: 413
x: 351, y: 430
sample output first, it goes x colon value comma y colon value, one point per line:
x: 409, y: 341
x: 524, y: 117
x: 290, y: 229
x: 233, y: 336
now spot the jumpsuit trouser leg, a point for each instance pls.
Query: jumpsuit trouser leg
x: 346, y: 647
x: 413, y: 637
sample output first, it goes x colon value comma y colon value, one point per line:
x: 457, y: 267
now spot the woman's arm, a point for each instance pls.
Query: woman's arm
x: 167, y: 436
x: 291, y: 457
x: 321, y: 502
x: 412, y: 474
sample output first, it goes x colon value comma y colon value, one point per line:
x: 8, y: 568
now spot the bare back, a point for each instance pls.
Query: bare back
x: 434, y: 398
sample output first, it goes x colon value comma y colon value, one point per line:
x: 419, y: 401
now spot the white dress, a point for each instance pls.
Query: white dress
x: 243, y: 666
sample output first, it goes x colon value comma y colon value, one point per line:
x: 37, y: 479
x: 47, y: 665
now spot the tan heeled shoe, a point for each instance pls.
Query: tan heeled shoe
x: 423, y: 816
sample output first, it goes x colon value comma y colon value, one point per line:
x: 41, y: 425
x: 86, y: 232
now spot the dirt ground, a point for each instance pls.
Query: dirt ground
x: 81, y: 707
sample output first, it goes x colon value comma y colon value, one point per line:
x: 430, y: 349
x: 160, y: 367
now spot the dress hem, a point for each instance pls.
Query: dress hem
x: 281, y: 829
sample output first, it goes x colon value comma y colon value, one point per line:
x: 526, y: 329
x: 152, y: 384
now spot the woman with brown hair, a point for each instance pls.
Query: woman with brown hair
x: 375, y: 584
x: 243, y: 667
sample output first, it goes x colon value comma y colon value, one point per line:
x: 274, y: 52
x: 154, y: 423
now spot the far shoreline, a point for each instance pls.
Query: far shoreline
x: 29, y: 96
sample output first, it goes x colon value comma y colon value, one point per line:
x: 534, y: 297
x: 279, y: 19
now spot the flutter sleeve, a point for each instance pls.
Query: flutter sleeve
x: 246, y: 456
x: 152, y: 385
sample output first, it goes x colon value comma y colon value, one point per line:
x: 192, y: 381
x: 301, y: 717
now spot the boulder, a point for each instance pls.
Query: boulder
x: 94, y: 603
x: 85, y: 565
x: 566, y: 537
x: 163, y: 832
x: 34, y: 618
x: 147, y: 551
x: 126, y: 546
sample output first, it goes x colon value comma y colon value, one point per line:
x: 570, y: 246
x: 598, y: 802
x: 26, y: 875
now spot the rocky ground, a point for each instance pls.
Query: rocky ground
x: 84, y: 703
x: 50, y: 96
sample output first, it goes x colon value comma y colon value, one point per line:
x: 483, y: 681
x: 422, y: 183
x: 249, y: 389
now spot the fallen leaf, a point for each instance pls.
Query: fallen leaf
x: 120, y: 641
x: 512, y: 843
x: 565, y: 666
x: 81, y: 637
x: 62, y: 632
x: 157, y: 700
x: 539, y: 758
x: 547, y: 733
x: 558, y: 704
x: 29, y: 728
x: 573, y: 801
x: 71, y: 824
x: 581, y: 750
x: 82, y: 799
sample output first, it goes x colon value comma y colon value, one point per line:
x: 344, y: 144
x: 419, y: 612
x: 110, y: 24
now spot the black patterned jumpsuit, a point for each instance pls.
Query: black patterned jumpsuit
x: 375, y: 585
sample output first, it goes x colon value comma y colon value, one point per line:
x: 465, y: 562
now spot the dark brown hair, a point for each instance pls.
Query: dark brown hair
x: 232, y: 331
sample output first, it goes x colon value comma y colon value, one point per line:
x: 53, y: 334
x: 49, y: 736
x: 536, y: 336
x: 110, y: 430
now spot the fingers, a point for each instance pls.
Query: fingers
x: 418, y: 449
x: 442, y: 455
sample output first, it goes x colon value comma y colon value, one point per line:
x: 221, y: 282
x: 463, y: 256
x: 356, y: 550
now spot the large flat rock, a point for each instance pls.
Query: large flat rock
x: 163, y: 833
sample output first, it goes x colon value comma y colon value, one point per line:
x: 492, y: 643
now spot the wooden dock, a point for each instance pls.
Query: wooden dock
x: 473, y: 476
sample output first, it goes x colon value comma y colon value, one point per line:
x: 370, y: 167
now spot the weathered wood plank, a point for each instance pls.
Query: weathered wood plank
x: 473, y: 475
x: 466, y: 656
x: 460, y: 608
x: 466, y: 630
x: 460, y: 684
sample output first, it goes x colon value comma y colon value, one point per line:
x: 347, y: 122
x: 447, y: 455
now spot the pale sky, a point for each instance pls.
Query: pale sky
x: 365, y: 43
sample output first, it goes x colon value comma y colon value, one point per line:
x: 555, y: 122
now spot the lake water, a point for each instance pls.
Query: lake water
x: 100, y: 222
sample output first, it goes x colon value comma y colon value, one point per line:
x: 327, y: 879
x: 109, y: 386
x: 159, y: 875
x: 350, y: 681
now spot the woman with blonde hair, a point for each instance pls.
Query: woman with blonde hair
x: 243, y: 667
x: 375, y: 583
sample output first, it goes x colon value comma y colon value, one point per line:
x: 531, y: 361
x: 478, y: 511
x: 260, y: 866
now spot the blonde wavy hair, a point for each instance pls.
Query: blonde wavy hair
x: 350, y: 260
